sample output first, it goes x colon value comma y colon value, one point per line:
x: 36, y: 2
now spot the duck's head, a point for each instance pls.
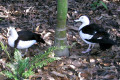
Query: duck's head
x: 12, y: 31
x: 83, y: 19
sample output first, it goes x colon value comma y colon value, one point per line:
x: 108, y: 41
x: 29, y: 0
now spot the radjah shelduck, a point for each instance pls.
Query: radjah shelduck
x: 23, y: 39
x: 92, y: 34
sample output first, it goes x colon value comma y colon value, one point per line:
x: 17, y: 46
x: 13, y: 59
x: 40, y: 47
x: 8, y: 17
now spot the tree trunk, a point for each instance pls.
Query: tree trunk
x: 60, y: 31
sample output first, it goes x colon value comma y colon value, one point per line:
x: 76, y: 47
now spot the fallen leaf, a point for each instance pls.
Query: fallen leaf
x: 58, y: 74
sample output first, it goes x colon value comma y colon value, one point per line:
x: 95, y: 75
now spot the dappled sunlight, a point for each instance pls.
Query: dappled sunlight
x: 40, y: 17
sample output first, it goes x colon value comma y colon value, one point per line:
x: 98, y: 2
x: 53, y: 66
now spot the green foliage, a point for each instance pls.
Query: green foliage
x: 9, y: 75
x: 4, y: 48
x: 97, y: 3
x: 104, y: 5
x: 43, y: 59
x: 18, y: 69
x: 27, y: 73
x: 1, y: 19
x: 23, y: 67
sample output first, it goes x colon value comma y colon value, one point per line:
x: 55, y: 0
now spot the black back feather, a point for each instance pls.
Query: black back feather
x: 92, y: 29
x: 105, y: 46
x: 99, y: 36
x: 28, y: 35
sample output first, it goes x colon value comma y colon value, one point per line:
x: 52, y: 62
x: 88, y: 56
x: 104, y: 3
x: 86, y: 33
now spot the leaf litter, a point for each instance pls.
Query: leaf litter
x: 40, y: 17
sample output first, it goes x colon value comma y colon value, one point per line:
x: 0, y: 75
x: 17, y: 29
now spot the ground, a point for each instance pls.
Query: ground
x: 40, y: 16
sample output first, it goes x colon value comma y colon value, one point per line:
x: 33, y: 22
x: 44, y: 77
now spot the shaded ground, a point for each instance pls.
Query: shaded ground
x: 31, y: 14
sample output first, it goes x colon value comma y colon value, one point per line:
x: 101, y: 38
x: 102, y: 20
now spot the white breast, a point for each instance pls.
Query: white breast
x: 11, y: 41
x: 85, y: 36
x: 25, y: 44
x: 21, y: 44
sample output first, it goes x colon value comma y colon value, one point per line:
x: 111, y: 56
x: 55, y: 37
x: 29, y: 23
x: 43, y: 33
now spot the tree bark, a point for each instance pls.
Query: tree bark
x: 60, y: 31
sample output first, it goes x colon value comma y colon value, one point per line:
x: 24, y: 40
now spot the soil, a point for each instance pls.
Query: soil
x: 40, y: 16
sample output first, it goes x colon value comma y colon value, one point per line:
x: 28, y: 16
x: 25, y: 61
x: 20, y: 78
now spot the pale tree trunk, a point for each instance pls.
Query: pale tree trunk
x: 60, y: 31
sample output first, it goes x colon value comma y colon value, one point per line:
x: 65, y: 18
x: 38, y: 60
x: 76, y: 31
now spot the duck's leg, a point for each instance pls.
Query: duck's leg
x: 88, y: 50
x: 25, y: 52
x: 93, y: 45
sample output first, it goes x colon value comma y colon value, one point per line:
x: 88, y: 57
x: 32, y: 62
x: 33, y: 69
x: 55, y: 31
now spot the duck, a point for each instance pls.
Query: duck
x: 23, y: 39
x: 93, y: 34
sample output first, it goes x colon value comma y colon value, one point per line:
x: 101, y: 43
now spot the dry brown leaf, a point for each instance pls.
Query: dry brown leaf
x: 109, y: 76
x: 77, y: 63
x: 47, y: 35
x: 58, y: 74
x: 3, y: 77
x: 46, y: 68
x: 60, y: 63
x: 37, y: 28
x: 107, y: 64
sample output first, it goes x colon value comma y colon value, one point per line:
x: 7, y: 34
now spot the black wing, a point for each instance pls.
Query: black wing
x: 26, y: 35
x: 92, y: 29
x: 99, y: 34
x: 101, y: 37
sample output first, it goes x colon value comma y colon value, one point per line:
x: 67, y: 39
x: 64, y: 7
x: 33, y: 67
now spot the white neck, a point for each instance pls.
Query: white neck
x: 84, y: 24
x: 14, y: 34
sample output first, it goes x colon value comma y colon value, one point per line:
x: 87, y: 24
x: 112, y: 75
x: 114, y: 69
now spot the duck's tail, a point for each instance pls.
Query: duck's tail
x: 107, y: 45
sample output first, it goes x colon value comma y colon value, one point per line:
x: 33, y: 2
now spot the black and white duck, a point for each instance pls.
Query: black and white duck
x: 23, y: 39
x: 92, y: 34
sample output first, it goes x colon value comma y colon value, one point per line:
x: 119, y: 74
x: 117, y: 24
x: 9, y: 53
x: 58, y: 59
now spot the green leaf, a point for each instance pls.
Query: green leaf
x: 22, y: 67
x: 4, y: 48
x: 23, y: 64
x: 12, y: 67
x: 9, y: 75
x: 104, y: 5
x: 1, y: 19
x: 17, y: 55
x: 26, y: 74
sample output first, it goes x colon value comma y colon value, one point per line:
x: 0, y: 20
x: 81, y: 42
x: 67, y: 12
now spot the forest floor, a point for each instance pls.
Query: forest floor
x: 40, y: 16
